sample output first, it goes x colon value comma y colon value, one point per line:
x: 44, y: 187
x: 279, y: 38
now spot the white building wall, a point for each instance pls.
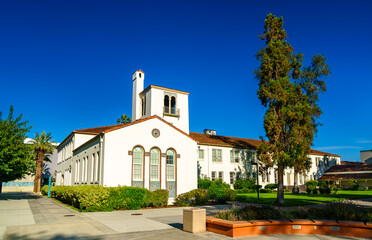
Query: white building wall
x: 80, y: 139
x: 118, y: 162
x: 207, y: 166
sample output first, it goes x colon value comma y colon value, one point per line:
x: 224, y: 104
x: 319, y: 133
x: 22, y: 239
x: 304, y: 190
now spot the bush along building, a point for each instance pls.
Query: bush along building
x: 157, y: 151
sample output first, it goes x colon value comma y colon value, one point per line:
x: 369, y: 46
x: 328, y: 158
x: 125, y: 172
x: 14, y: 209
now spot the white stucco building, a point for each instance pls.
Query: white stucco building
x: 157, y: 151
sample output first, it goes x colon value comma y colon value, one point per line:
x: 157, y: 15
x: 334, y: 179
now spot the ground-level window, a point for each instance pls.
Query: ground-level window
x: 154, y: 164
x: 170, y: 165
x: 97, y: 168
x: 92, y: 167
x: 213, y: 175
x: 220, y: 175
x: 232, y: 176
x: 137, y: 164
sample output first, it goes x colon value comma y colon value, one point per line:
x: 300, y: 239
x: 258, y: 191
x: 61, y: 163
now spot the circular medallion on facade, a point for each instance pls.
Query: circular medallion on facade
x: 170, y: 187
x: 155, y: 133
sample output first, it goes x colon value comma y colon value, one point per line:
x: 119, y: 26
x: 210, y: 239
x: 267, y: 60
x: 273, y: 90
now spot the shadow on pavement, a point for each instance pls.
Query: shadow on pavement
x: 18, y: 196
x: 56, y: 237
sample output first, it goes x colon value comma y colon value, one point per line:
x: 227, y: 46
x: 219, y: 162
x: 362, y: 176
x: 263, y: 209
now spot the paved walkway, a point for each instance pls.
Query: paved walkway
x: 28, y: 216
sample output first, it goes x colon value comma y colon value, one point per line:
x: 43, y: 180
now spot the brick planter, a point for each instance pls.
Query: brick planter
x: 296, y: 226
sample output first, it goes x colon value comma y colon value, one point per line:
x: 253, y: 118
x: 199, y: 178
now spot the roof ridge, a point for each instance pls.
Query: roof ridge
x: 82, y: 129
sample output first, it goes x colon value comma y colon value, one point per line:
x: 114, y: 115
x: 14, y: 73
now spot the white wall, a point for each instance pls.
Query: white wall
x: 80, y: 138
x: 118, y: 163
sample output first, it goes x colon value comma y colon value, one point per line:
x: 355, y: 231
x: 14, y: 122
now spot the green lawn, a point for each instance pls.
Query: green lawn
x: 302, y: 199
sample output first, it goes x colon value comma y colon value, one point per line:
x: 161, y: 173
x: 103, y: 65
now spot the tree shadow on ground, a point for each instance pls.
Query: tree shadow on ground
x: 18, y: 196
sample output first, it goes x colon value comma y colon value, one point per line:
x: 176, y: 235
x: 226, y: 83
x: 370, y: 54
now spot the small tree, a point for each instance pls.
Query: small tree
x: 124, y: 119
x: 15, y: 155
x: 42, y: 145
x: 290, y: 95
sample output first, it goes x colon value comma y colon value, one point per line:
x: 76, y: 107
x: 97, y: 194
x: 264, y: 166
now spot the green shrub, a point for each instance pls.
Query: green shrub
x: 355, y: 185
x: 271, y: 186
x: 324, y: 189
x: 204, y: 183
x: 44, y: 190
x: 311, y: 183
x: 221, y: 195
x: 192, y: 198
x: 341, y: 210
x: 245, y: 190
x: 219, y: 184
x: 157, y: 198
x: 128, y: 197
x: 266, y: 190
x: 98, y: 198
x: 244, y: 183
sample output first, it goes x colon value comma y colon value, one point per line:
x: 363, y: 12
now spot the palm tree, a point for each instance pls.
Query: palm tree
x: 42, y: 145
x: 124, y: 119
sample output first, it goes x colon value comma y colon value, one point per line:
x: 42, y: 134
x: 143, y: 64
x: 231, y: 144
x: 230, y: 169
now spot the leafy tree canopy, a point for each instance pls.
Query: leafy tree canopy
x: 124, y: 119
x: 15, y: 156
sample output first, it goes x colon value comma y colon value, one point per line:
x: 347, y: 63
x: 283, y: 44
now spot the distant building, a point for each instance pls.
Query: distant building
x: 345, y: 174
x: 157, y: 151
x: 366, y: 156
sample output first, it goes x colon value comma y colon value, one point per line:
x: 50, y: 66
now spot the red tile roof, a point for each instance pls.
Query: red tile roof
x: 109, y: 128
x: 350, y: 168
x: 350, y: 162
x: 235, y: 142
x: 225, y: 141
x: 348, y: 172
x: 356, y: 176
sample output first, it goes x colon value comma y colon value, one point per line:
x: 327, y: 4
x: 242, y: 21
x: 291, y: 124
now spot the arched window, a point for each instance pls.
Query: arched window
x: 137, y: 173
x: 154, y: 169
x: 166, y: 104
x: 171, y: 183
x: 171, y: 165
x: 173, y: 105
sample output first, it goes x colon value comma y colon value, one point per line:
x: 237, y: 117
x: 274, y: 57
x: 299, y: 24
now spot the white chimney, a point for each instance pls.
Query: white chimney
x: 138, y: 82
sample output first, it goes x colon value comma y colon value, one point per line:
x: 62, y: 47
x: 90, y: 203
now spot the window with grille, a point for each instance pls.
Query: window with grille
x: 213, y: 176
x: 220, y: 175
x: 154, y: 167
x: 232, y: 176
x: 201, y: 154
x: 216, y: 155
x: 137, y: 164
x: 170, y: 165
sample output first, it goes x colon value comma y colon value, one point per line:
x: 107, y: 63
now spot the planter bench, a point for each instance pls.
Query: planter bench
x: 295, y: 226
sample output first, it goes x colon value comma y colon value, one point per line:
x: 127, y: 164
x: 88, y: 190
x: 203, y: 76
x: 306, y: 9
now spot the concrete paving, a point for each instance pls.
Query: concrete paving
x: 29, y: 216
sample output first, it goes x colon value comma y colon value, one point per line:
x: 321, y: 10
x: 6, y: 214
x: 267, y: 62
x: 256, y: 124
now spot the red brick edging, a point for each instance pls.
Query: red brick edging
x: 295, y: 226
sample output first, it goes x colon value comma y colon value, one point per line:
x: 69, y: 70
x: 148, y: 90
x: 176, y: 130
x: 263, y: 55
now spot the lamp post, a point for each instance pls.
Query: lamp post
x: 258, y: 190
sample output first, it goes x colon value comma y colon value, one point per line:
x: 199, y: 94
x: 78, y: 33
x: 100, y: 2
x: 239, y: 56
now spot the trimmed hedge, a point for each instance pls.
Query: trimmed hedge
x: 97, y: 198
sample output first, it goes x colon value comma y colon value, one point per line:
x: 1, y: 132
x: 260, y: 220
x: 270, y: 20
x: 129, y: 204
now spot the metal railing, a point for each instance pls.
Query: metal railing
x: 172, y: 111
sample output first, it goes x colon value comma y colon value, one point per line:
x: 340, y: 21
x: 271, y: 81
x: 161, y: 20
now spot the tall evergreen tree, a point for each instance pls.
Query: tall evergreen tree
x: 42, y: 145
x: 290, y: 95
x: 15, y: 155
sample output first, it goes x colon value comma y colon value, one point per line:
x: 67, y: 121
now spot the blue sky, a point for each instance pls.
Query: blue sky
x: 67, y: 65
